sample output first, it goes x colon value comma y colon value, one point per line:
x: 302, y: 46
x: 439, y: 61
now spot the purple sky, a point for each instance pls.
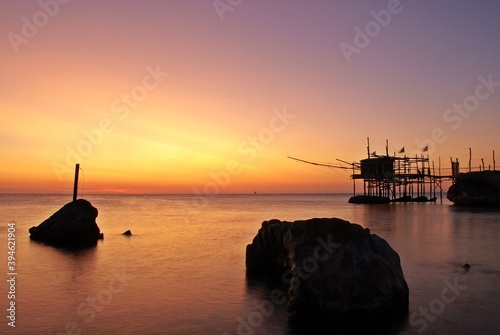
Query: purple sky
x: 228, y: 68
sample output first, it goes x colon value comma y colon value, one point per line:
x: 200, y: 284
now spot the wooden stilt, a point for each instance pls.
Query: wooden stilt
x: 75, y: 185
x: 470, y: 159
x: 440, y: 180
x: 368, y: 146
x: 433, y: 180
x: 353, y: 182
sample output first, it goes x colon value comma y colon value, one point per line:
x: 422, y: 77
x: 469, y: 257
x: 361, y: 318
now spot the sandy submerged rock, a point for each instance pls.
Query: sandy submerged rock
x: 336, y: 270
x: 72, y: 226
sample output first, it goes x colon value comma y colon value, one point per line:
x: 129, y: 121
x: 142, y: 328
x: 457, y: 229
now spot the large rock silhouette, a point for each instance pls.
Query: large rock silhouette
x: 72, y: 226
x: 476, y: 189
x: 336, y: 270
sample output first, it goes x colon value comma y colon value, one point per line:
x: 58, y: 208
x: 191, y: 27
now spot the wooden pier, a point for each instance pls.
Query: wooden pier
x: 396, y: 178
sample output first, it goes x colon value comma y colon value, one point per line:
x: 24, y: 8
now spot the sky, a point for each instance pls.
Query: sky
x: 207, y: 96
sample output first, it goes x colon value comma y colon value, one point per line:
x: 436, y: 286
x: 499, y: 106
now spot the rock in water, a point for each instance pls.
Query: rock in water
x: 73, y: 226
x: 476, y: 189
x: 337, y: 270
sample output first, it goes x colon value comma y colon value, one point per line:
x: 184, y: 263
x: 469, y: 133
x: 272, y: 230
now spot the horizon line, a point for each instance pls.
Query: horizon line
x: 194, y: 194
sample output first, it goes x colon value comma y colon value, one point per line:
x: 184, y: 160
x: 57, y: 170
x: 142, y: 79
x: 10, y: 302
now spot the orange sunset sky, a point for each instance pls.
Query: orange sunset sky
x: 172, y: 96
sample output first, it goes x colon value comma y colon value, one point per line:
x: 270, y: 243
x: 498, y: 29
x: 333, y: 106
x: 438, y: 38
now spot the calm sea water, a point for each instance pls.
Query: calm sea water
x: 183, y: 270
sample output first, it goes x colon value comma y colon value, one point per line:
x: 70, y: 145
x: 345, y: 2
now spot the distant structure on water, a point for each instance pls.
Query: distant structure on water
x: 396, y: 179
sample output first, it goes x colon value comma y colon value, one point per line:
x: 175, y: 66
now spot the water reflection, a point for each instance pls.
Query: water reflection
x: 190, y: 276
x: 267, y: 301
x: 266, y: 304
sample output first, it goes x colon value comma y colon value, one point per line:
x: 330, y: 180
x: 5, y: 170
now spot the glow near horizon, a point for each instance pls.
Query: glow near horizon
x: 225, y: 81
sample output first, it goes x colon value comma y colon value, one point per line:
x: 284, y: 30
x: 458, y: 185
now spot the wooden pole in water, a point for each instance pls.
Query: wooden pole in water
x: 368, y: 146
x: 482, y: 160
x: 470, y: 159
x: 353, y: 182
x: 433, y: 179
x: 440, y: 180
x: 494, y: 163
x: 418, y: 175
x: 75, y: 185
x: 423, y: 174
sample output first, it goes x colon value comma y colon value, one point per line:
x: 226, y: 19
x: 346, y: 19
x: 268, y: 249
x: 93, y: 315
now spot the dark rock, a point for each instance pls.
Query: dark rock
x: 476, y: 189
x: 368, y: 199
x: 336, y: 270
x: 267, y: 253
x: 127, y: 233
x: 72, y: 226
